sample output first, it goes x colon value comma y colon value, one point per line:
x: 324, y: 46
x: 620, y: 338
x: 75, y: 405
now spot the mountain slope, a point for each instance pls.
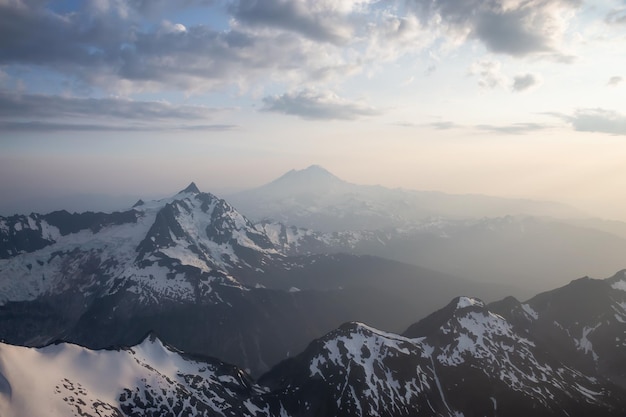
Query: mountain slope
x: 149, y: 379
x: 584, y: 322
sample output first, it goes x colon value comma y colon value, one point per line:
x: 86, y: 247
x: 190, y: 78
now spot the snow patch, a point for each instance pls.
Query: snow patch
x: 584, y: 343
x: 465, y: 302
x: 49, y: 232
x: 619, y: 285
x: 530, y: 311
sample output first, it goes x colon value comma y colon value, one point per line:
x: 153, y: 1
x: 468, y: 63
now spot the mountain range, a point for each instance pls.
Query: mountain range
x: 314, y: 198
x: 194, y: 255
x: 529, y: 245
x: 185, y: 306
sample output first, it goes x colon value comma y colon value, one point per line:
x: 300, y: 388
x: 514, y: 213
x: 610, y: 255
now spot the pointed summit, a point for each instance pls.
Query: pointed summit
x: 317, y: 169
x: 191, y: 188
x: 458, y: 307
x: 314, y: 174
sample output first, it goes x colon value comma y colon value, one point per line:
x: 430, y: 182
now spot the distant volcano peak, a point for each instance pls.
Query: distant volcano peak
x: 313, y: 173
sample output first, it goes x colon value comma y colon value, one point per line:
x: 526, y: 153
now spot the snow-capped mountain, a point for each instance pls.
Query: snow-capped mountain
x: 154, y: 245
x: 463, y: 360
x: 316, y: 199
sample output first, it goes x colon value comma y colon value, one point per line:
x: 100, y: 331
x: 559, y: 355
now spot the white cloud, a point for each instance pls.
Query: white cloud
x: 513, y: 129
x: 40, y: 112
x: 616, y: 16
x: 310, y: 104
x: 598, y: 120
x: 512, y: 27
x: 524, y: 82
x: 615, y: 81
x: 488, y: 73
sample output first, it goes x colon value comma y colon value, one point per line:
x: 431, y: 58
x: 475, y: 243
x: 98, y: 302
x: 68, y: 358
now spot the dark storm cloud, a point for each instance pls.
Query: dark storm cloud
x: 33, y: 112
x: 513, y: 129
x: 290, y: 15
x: 315, y: 105
x: 597, y: 120
x: 524, y: 82
x: 515, y: 28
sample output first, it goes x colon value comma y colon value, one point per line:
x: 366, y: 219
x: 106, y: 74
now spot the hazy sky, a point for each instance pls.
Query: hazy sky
x: 521, y: 98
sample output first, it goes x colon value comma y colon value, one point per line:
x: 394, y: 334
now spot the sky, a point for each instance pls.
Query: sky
x: 137, y: 98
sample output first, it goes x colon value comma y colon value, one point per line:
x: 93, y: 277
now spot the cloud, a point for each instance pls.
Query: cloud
x: 512, y: 27
x: 47, y: 106
x: 112, y: 48
x: 310, y: 104
x: 48, y: 127
x: 157, y: 7
x: 120, y: 46
x: 444, y: 125
x: 490, y: 76
x: 389, y: 35
x: 525, y: 82
x: 513, y: 129
x: 38, y: 112
x: 597, y: 120
x: 488, y: 73
x: 319, y: 23
x: 616, y: 16
x: 614, y: 81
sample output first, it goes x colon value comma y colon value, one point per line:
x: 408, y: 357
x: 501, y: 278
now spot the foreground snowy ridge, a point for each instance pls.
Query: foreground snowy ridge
x: 148, y: 379
x: 460, y: 360
x: 471, y: 356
